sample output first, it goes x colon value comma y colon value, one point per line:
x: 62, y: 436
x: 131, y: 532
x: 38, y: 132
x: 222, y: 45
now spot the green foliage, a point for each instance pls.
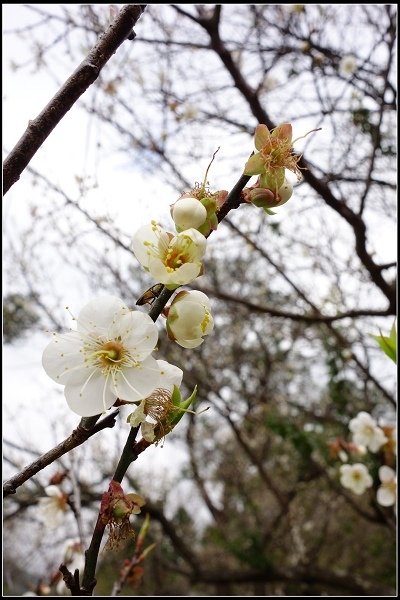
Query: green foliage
x: 388, y: 343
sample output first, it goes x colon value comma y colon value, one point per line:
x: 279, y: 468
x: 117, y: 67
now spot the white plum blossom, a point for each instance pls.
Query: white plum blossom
x: 366, y: 432
x: 73, y: 558
x: 171, y: 260
x: 51, y: 510
x: 386, y: 494
x: 157, y: 403
x: 355, y: 478
x: 189, y: 319
x: 108, y: 357
x: 348, y: 65
x: 188, y: 212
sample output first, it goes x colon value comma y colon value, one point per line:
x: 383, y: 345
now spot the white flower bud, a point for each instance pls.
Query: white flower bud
x: 188, y: 212
x: 189, y: 319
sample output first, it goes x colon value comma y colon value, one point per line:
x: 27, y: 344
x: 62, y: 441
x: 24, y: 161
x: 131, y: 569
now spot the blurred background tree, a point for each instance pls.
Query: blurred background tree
x: 295, y: 296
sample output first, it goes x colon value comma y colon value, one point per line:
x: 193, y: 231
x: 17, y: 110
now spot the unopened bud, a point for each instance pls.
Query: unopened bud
x: 187, y: 213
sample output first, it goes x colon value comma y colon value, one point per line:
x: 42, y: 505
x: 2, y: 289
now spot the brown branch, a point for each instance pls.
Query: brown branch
x: 87, y: 72
x: 310, y: 318
x: 216, y: 513
x: 252, y: 98
x: 307, y: 574
x: 83, y: 432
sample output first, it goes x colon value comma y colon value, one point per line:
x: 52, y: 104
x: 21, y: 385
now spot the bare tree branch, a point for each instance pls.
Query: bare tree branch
x: 87, y: 72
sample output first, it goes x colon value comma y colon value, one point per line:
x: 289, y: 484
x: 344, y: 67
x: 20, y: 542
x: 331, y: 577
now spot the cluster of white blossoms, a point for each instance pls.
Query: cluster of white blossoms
x: 366, y: 434
x: 109, y: 356
x: 175, y: 260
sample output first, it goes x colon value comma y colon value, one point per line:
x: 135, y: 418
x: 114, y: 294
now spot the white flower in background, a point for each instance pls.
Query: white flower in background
x: 51, y: 510
x: 189, y: 112
x: 348, y: 65
x: 189, y: 319
x: 188, y: 212
x: 355, y: 478
x: 386, y: 494
x: 108, y: 357
x: 269, y: 83
x: 158, y: 404
x: 366, y: 432
x: 171, y: 260
x: 73, y: 558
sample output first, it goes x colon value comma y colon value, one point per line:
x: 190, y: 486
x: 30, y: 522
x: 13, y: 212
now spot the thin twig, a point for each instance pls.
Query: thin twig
x: 87, y: 72
x: 77, y: 437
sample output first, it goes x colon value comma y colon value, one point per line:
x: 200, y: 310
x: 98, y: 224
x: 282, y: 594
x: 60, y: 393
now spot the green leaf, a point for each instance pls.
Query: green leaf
x: 388, y: 344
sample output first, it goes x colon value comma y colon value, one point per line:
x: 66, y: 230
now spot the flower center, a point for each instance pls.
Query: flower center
x: 110, y: 353
x: 174, y: 258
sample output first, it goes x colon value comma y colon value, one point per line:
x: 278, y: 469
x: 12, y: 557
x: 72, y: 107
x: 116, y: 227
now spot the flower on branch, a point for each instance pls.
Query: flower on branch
x: 108, y: 357
x: 159, y: 404
x: 171, y: 260
x: 265, y: 198
x: 355, y: 478
x: 73, y: 558
x: 366, y: 432
x: 386, y: 494
x: 188, y: 212
x: 115, y: 511
x: 51, y: 510
x: 275, y: 154
x: 189, y: 319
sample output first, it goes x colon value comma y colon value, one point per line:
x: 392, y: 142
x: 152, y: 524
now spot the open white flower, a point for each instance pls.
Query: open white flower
x: 366, y: 432
x: 188, y: 212
x: 108, y: 357
x: 386, y: 494
x: 51, y: 510
x: 189, y: 319
x: 158, y: 402
x: 171, y: 260
x: 355, y: 478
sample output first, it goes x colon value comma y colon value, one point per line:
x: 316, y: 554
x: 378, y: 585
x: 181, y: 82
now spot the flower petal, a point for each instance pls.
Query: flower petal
x: 283, y: 132
x: 170, y: 375
x: 386, y: 473
x: 138, y: 333
x: 149, y: 241
x: 193, y: 343
x: 147, y: 430
x: 138, y: 416
x: 92, y: 396
x: 136, y: 383
x: 261, y: 136
x: 385, y: 496
x: 184, y: 274
x: 255, y: 165
x: 99, y: 314
x: 62, y: 355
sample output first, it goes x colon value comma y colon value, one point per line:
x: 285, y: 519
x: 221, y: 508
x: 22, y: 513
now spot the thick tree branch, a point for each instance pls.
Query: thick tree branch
x: 40, y: 128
